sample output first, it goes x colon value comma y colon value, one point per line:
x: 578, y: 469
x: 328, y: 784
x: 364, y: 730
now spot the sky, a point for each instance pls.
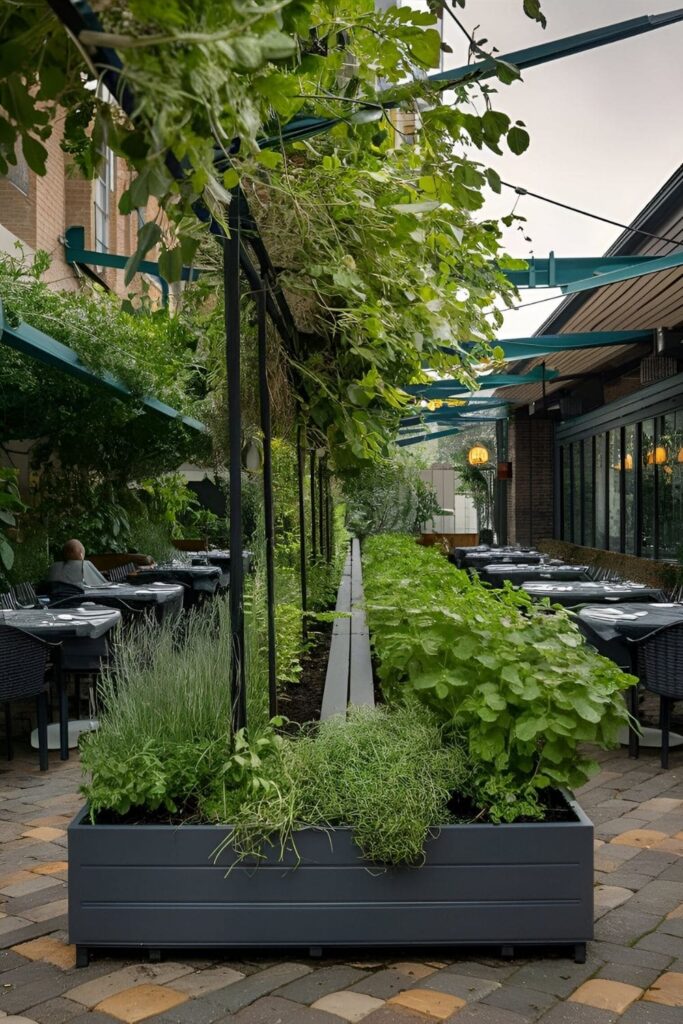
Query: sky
x: 606, y: 126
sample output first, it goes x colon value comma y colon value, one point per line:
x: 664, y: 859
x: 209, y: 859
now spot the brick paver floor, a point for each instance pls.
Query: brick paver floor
x: 634, y: 972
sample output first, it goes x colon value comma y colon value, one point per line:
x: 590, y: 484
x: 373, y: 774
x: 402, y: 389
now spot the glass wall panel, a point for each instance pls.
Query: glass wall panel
x: 630, y: 474
x: 600, y: 496
x: 669, y: 470
x: 588, y: 517
x: 566, y: 494
x: 647, y: 500
x: 614, y: 483
x: 576, y: 490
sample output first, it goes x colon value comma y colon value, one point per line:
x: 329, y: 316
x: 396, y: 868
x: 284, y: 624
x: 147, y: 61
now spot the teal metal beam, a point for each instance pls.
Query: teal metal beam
x: 53, y: 353
x: 451, y: 415
x: 306, y: 127
x: 542, y: 344
x: 566, y: 272
x: 75, y: 252
x: 639, y: 267
x: 451, y: 388
x: 403, y: 442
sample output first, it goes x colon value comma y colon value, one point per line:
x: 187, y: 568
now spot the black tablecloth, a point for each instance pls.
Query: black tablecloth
x: 633, y: 620
x: 56, y: 626
x: 222, y: 559
x: 519, y: 574
x: 165, y: 598
x: 573, y: 593
x: 205, y: 578
x: 480, y: 559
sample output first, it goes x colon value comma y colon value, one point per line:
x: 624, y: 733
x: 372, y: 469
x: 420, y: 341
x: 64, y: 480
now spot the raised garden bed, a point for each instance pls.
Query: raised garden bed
x: 156, y: 887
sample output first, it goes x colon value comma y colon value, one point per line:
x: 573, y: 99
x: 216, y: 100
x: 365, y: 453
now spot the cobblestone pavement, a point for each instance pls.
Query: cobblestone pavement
x: 634, y: 972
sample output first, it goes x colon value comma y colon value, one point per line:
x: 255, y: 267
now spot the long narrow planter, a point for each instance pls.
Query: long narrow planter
x: 156, y: 887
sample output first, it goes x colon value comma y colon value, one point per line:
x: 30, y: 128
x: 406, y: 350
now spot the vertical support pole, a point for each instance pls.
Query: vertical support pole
x: 329, y: 505
x: 321, y: 505
x: 268, y: 517
x: 314, y: 553
x: 302, y: 522
x: 231, y: 290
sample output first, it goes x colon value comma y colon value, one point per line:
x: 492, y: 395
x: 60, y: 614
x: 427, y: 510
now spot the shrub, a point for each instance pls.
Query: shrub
x: 517, y: 682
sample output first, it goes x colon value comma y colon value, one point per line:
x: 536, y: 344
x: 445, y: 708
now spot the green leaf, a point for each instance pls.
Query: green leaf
x: 171, y: 264
x: 149, y: 235
x: 493, y: 179
x: 517, y: 140
x: 269, y: 158
x: 6, y: 553
x: 532, y: 9
x: 35, y: 154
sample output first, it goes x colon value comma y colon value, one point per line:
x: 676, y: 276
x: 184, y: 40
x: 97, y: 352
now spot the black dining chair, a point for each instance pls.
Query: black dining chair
x: 7, y: 601
x: 23, y: 659
x: 119, y: 573
x: 620, y: 653
x: 662, y: 660
x: 25, y: 596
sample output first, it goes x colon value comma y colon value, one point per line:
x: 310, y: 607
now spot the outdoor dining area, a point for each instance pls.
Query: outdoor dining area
x: 56, y: 635
x: 637, y: 626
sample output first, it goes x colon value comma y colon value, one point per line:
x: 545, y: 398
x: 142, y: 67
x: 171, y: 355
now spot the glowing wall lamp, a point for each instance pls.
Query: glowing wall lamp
x: 478, y: 456
x: 658, y: 457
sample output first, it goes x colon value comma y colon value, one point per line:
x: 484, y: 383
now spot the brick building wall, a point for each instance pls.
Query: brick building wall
x: 530, y: 491
x: 38, y: 214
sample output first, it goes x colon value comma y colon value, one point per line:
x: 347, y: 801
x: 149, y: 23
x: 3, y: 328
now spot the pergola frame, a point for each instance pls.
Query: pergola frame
x: 244, y: 244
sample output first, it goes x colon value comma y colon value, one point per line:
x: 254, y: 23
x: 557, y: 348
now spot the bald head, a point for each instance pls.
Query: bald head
x: 74, y: 551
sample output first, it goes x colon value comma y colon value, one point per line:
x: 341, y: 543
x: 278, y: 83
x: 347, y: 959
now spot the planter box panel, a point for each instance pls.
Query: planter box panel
x: 310, y: 884
x: 157, y: 886
x: 301, y: 925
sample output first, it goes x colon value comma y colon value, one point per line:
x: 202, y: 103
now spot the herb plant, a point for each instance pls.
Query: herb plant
x: 517, y: 683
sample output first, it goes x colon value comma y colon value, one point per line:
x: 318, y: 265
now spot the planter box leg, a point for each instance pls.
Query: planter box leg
x: 82, y: 956
x: 507, y: 952
x: 154, y: 956
x: 315, y: 952
x: 580, y: 953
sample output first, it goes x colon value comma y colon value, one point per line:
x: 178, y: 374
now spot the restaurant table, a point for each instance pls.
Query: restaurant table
x: 628, y: 624
x: 458, y: 554
x: 196, y: 580
x: 163, y: 598
x: 579, y: 592
x: 632, y: 620
x: 519, y: 574
x: 222, y: 560
x: 77, y: 633
x: 480, y: 559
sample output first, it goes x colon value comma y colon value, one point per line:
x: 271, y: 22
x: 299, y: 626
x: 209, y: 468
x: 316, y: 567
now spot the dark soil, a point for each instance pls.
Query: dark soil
x: 551, y: 800
x: 301, y: 702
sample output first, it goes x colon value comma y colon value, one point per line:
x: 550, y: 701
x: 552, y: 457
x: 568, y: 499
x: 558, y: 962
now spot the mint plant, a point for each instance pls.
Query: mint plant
x: 517, y: 683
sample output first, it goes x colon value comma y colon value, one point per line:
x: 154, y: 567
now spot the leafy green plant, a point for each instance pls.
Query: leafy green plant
x: 385, y: 772
x: 518, y: 683
x: 165, y: 715
x: 388, y: 496
x: 11, y: 506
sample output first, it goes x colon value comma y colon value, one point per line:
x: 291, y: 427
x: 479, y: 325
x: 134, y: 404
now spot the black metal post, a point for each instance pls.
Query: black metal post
x: 314, y: 554
x: 268, y: 517
x: 329, y: 505
x: 231, y: 286
x: 302, y: 522
x: 321, y: 505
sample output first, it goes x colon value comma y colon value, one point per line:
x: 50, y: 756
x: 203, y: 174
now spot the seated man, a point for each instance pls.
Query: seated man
x: 74, y: 569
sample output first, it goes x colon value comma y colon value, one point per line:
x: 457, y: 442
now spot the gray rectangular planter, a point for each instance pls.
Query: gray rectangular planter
x: 156, y: 886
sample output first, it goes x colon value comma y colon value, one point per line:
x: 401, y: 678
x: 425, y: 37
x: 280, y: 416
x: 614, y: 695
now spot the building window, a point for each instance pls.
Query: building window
x: 614, y: 495
x: 669, y: 496
x: 588, y: 494
x: 577, y: 509
x: 600, y: 491
x: 18, y: 174
x: 629, y: 474
x: 648, y: 485
x: 566, y: 494
x: 104, y: 187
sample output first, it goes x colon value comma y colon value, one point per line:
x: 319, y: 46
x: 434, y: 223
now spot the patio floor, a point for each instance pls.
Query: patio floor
x: 634, y: 972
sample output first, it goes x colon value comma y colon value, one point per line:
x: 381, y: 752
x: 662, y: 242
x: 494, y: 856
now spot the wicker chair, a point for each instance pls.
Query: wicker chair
x: 119, y: 574
x: 25, y: 596
x: 7, y: 601
x: 22, y: 674
x: 662, y: 659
